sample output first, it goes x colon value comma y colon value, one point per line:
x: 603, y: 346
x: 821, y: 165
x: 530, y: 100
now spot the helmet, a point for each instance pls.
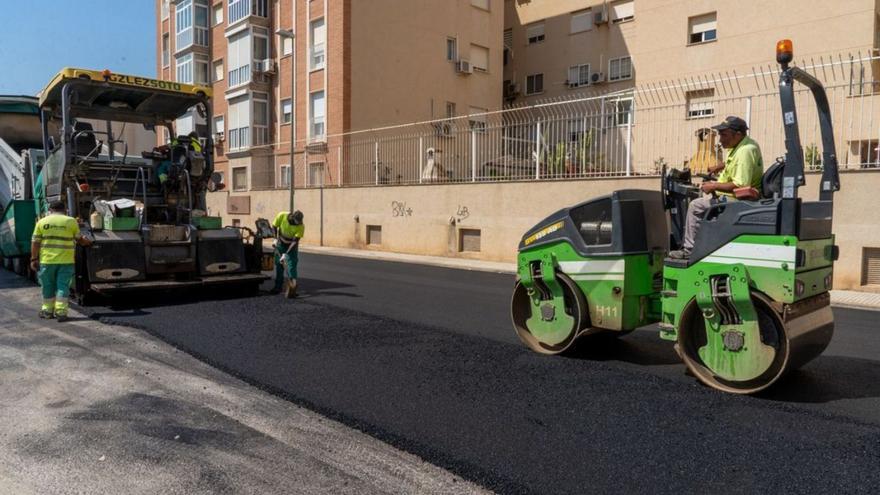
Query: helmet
x: 295, y: 218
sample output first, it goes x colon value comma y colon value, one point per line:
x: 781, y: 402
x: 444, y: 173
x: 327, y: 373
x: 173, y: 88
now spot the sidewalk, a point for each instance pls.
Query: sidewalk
x: 840, y: 298
x: 94, y: 408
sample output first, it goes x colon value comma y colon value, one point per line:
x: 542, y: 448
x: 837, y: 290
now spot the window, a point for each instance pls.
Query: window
x: 219, y: 126
x: 239, y: 59
x: 581, y: 21
x: 284, y: 176
x: 480, y: 4
x: 622, y: 11
x: 191, y: 24
x: 239, y: 179
x: 479, y: 58
x: 594, y: 222
x: 286, y: 45
x: 239, y: 115
x: 239, y: 9
x: 261, y: 43
x: 700, y: 104
x: 261, y: 119
x: 317, y: 108
x: 508, y: 44
x: 451, y: 49
x: 185, y: 69
x: 619, y: 69
x: 218, y: 14
x: 185, y: 124
x: 318, y: 36
x: 534, y: 84
x: 165, y: 9
x: 166, y: 59
x: 578, y: 75
x: 535, y: 33
x: 218, y: 70
x: 477, y: 119
x: 202, y: 73
x: 702, y: 28
x: 316, y: 174
x: 286, y: 111
x: 620, y: 112
x: 192, y: 69
x: 450, y: 109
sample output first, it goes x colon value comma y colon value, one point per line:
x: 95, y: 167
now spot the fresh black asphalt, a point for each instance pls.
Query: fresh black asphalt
x: 425, y: 359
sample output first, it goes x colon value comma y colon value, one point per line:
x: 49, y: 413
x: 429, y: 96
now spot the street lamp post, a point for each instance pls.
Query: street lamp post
x: 287, y: 34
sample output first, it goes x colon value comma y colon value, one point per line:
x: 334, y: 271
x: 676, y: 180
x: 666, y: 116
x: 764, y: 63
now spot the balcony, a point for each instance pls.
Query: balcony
x: 239, y: 139
x: 239, y: 76
x: 240, y: 9
x: 316, y: 129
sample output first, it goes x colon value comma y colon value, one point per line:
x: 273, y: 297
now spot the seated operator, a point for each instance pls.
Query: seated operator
x: 743, y: 167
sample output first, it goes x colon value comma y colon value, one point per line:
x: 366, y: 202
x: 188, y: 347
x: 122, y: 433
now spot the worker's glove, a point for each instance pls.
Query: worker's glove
x: 284, y: 258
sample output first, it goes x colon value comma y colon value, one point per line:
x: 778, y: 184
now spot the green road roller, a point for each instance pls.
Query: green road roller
x: 749, y: 304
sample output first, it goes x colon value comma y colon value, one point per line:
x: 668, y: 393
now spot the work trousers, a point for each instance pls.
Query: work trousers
x: 292, y: 261
x: 55, y: 282
x: 696, y: 210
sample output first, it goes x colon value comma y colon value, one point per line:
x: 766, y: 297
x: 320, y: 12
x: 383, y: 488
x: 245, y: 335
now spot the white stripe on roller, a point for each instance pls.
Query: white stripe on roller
x: 751, y: 251
x: 597, y: 276
x: 747, y: 262
x: 593, y: 266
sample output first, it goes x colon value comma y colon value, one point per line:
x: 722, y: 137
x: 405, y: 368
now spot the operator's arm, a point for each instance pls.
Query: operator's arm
x: 745, y: 171
x: 36, y: 239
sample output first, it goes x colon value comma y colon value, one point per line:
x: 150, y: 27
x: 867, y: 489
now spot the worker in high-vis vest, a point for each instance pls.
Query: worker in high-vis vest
x: 289, y: 229
x: 52, y: 257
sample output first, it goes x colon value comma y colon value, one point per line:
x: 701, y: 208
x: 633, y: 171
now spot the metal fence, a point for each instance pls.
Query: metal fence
x: 632, y: 133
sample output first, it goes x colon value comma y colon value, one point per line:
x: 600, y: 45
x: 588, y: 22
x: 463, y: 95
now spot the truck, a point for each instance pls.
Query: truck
x: 146, y: 213
x: 20, y: 148
x: 748, y: 305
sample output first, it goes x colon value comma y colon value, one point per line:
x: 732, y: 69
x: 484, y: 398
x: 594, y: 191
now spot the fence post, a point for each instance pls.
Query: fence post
x: 749, y: 112
x: 421, y: 157
x: 629, y: 140
x: 376, y: 162
x: 538, y: 150
x: 474, y: 154
x: 339, y: 166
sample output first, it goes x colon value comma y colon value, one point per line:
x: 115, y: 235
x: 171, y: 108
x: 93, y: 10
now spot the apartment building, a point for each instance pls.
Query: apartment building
x: 556, y: 48
x: 321, y: 68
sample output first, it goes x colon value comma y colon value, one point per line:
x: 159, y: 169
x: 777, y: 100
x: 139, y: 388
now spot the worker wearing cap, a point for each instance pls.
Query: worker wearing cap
x: 52, y: 257
x: 289, y: 229
x: 743, y: 167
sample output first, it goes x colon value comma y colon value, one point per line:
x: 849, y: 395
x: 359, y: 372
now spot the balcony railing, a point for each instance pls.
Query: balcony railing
x: 190, y: 36
x: 240, y: 75
x: 239, y: 138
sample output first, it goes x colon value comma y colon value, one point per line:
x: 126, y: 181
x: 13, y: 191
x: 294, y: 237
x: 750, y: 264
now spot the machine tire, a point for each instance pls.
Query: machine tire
x: 692, y: 336
x: 576, y: 306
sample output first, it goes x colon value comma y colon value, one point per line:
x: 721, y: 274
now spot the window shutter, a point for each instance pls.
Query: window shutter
x: 622, y: 10
x: 703, y: 23
x: 581, y: 21
x: 480, y: 57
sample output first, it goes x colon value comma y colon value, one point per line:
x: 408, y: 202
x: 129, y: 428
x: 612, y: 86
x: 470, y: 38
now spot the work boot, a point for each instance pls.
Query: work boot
x: 46, y: 315
x: 291, y: 289
x: 61, y: 317
x: 680, y: 254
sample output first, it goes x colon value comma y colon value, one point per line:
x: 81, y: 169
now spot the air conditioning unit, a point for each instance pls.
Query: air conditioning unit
x: 464, y: 67
x: 600, y: 17
x: 597, y: 77
x: 266, y: 66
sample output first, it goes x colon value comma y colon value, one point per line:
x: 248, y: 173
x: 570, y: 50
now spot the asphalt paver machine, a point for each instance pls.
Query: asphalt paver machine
x: 163, y: 237
x: 750, y: 303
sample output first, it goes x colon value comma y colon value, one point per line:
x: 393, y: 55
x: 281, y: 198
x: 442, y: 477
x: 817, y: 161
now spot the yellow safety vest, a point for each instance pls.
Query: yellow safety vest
x: 287, y: 230
x: 56, y: 234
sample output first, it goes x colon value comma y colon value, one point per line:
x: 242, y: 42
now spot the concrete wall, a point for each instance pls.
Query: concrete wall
x: 427, y: 219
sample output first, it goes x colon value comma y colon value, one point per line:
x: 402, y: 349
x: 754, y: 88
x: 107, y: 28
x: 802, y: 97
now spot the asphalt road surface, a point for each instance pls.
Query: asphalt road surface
x: 425, y: 358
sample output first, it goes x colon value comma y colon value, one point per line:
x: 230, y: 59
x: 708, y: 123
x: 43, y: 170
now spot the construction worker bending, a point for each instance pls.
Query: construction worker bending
x: 289, y: 229
x: 52, y: 257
